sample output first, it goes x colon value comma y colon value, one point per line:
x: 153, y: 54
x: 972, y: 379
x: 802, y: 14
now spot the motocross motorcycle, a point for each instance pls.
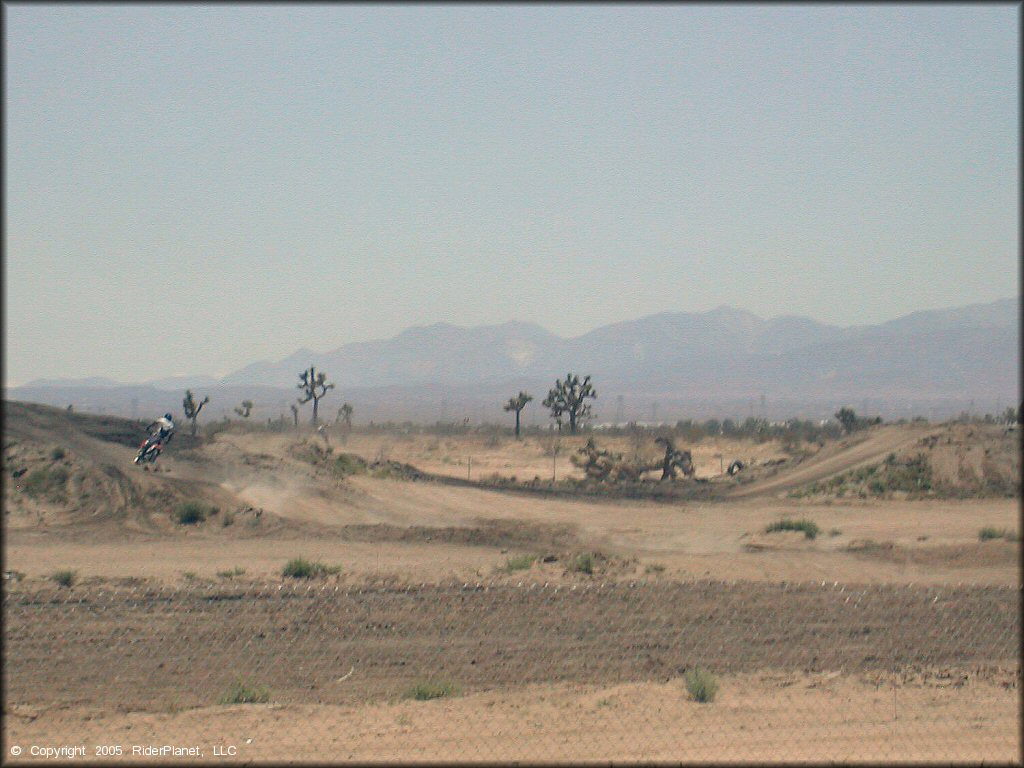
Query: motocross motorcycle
x: 149, y: 450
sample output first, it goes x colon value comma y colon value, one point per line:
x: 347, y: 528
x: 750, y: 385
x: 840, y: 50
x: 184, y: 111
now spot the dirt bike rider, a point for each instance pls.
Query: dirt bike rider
x: 163, y: 435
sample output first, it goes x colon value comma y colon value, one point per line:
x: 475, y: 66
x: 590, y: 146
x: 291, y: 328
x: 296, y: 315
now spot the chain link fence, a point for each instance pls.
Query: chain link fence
x: 329, y: 671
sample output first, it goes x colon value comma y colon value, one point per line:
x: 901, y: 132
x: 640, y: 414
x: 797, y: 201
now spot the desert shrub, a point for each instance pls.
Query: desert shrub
x: 64, y: 578
x: 227, y: 519
x: 57, y: 454
x: 346, y: 464
x: 583, y: 563
x: 393, y: 470
x: 835, y: 532
x: 654, y: 568
x: 300, y: 568
x: 988, y: 533
x: 909, y: 475
x: 244, y: 693
x: 701, y: 685
x: 310, y: 451
x: 521, y: 563
x: 192, y: 512
x: 425, y: 690
x: 231, y: 573
x: 809, y: 528
x: 46, y: 482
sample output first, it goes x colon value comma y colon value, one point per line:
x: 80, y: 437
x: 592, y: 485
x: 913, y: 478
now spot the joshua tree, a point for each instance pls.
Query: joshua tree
x: 245, y: 410
x: 596, y: 463
x: 674, y: 461
x: 605, y: 466
x: 345, y: 415
x: 295, y: 414
x: 517, y: 404
x: 314, y: 386
x: 191, y: 409
x: 569, y: 397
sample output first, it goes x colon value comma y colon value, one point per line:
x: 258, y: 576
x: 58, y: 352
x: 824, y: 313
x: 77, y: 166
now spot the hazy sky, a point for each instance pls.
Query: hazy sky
x: 193, y: 188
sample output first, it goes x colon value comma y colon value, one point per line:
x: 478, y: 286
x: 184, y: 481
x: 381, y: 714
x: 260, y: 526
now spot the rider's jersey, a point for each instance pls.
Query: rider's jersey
x: 165, y: 425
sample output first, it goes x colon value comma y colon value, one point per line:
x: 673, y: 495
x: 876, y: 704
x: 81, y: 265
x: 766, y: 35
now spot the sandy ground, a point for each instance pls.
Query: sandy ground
x: 934, y: 541
x: 425, y: 533
x: 755, y: 718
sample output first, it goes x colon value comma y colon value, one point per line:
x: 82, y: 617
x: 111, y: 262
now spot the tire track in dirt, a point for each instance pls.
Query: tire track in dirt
x: 147, y: 648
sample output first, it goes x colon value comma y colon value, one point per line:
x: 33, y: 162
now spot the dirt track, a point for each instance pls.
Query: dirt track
x: 434, y: 531
x: 567, y: 666
x: 848, y: 454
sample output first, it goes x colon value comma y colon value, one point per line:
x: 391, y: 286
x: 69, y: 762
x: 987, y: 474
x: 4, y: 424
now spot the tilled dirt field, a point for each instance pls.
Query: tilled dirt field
x: 535, y: 671
x: 142, y: 649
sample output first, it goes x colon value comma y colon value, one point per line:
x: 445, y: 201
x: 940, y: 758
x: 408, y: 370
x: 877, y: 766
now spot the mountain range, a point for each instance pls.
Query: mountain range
x: 722, y: 356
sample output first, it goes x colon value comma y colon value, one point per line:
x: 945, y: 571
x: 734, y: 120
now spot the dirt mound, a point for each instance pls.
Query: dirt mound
x: 74, y: 472
x: 777, y: 541
x: 346, y: 464
x: 863, y: 448
x: 974, y: 460
x: 957, y: 461
x: 512, y: 534
x: 942, y: 555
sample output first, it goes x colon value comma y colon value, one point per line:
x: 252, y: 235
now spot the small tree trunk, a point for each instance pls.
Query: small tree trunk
x: 193, y: 426
x: 517, y: 425
x: 316, y: 402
